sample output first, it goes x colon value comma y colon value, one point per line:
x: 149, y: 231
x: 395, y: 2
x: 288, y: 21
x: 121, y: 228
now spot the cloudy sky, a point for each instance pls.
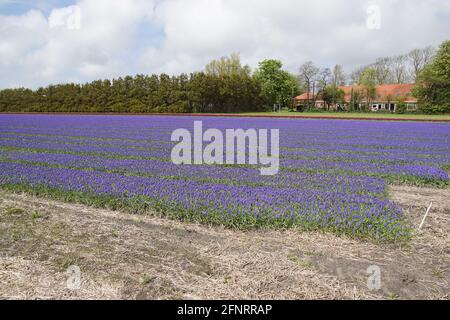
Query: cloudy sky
x: 55, y: 41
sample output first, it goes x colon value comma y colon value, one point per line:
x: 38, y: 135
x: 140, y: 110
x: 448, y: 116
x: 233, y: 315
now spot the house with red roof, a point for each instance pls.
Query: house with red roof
x: 386, y: 98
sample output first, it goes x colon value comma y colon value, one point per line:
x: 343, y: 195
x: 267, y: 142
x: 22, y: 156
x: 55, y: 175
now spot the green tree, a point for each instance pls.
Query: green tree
x: 355, y: 99
x: 433, y: 85
x: 226, y: 66
x: 368, y: 81
x: 278, y: 86
x: 308, y: 75
x: 401, y: 106
x: 333, y: 95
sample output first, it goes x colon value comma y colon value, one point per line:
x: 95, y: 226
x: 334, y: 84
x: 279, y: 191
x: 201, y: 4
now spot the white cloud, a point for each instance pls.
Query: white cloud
x: 68, y: 17
x: 37, y: 51
x: 115, y: 37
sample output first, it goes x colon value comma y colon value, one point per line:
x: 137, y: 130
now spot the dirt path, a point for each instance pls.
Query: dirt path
x: 144, y: 257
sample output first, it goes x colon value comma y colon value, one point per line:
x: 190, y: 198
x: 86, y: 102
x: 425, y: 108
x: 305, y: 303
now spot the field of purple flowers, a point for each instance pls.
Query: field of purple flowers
x: 333, y: 173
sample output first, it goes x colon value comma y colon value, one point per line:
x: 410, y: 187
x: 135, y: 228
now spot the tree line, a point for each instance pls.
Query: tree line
x: 427, y: 67
x: 197, y: 92
x: 227, y: 86
x: 385, y: 70
x: 404, y: 68
x: 224, y: 86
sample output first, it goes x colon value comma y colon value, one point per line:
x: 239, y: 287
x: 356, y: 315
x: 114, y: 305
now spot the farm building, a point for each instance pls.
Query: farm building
x: 386, y: 98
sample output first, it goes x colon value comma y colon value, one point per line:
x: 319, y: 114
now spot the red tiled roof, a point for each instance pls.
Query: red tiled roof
x: 305, y: 96
x: 385, y: 92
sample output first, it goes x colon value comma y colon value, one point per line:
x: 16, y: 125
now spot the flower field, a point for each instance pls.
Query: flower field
x: 333, y: 173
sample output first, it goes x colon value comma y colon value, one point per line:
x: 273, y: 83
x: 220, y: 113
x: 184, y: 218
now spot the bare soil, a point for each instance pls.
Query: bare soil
x: 124, y: 256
